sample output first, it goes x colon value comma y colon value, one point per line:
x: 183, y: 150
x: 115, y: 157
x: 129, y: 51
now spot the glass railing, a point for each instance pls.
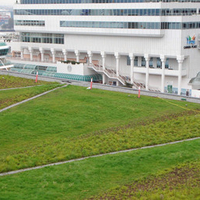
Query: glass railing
x: 2, y: 44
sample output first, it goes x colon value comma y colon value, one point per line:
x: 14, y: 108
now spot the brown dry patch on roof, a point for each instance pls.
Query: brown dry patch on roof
x: 188, y: 175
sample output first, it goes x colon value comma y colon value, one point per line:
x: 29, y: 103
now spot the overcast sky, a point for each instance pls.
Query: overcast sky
x: 7, y: 2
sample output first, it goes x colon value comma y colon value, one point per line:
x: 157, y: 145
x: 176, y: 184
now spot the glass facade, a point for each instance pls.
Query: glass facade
x: 29, y: 23
x: 121, y: 25
x: 151, y: 65
x: 4, y: 52
x: 91, y: 12
x: 98, y: 1
x: 107, y: 12
x: 131, y: 25
x: 42, y: 38
x: 136, y: 61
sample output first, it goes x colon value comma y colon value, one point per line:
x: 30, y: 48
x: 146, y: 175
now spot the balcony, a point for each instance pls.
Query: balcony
x: 158, y: 71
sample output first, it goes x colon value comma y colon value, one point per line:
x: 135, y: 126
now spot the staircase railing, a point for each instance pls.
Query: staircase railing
x: 108, y: 72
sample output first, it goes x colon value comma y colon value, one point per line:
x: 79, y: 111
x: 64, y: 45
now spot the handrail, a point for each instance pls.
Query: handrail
x: 107, y: 72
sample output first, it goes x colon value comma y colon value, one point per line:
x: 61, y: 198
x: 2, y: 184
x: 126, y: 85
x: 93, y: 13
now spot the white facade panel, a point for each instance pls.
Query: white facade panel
x: 109, y: 48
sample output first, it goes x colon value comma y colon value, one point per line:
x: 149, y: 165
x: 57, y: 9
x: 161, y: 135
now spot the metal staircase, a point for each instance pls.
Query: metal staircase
x: 110, y: 73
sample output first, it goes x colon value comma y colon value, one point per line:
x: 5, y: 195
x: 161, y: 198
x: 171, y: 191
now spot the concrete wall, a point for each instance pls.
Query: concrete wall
x: 196, y: 93
x: 78, y: 69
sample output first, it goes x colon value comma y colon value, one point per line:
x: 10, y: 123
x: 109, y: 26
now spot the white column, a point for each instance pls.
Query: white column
x: 139, y: 61
x: 163, y: 59
x: 180, y: 63
x: 117, y: 56
x: 132, y: 65
x: 31, y: 53
x: 147, y: 58
x: 77, y: 53
x: 42, y: 54
x: 117, y: 63
x: 64, y: 51
x: 53, y: 54
x: 154, y: 62
x: 103, y: 55
x: 90, y: 56
x: 22, y: 53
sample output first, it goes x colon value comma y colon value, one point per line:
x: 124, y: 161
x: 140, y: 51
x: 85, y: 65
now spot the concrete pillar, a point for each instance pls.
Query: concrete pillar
x: 42, y: 54
x: 154, y: 62
x: 117, y: 56
x: 163, y: 59
x: 90, y: 56
x: 103, y: 55
x: 22, y: 53
x: 53, y: 54
x: 147, y: 58
x: 77, y: 53
x: 64, y: 51
x: 132, y: 65
x: 180, y: 64
x: 139, y: 61
x: 31, y: 53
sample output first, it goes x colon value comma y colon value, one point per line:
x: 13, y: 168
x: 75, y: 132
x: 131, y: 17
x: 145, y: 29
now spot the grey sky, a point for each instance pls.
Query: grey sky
x: 7, y: 2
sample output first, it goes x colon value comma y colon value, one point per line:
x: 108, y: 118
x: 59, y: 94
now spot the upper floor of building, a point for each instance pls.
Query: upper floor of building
x: 97, y: 1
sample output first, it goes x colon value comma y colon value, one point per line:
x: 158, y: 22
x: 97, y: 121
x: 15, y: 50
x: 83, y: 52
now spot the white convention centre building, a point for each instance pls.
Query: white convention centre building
x: 153, y: 44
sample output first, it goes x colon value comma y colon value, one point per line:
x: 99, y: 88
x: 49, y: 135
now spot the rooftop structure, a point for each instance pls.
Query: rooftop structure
x: 146, y: 43
x: 4, y: 49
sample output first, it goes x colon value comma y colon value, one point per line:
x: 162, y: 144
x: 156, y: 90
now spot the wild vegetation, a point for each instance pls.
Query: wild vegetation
x: 9, y: 97
x: 181, y: 182
x: 141, y: 174
x: 21, y: 89
x: 81, y: 123
x: 73, y: 122
x: 7, y: 81
x: 49, y: 151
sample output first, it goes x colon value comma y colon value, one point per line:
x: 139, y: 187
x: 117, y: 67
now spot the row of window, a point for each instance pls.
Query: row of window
x: 29, y: 23
x: 131, y: 25
x: 115, y: 12
x: 42, y: 38
x: 98, y: 1
x: 143, y: 62
x: 121, y: 25
x: 3, y: 52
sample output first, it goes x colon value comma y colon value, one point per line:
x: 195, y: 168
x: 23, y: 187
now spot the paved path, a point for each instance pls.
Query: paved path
x: 142, y: 92
x: 26, y: 100
x: 19, y: 87
x: 95, y: 156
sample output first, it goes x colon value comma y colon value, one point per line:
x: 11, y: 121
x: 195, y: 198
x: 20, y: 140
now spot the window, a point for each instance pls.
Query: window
x: 128, y: 60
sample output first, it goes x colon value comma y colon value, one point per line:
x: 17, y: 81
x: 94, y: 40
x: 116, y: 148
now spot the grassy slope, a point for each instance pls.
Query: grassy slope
x: 83, y: 179
x: 181, y: 182
x: 9, y: 97
x: 74, y: 111
x: 7, y: 81
x: 49, y: 128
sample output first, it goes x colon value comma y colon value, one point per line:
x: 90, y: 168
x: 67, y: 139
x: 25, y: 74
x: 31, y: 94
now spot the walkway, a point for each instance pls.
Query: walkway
x: 18, y: 88
x: 107, y: 87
